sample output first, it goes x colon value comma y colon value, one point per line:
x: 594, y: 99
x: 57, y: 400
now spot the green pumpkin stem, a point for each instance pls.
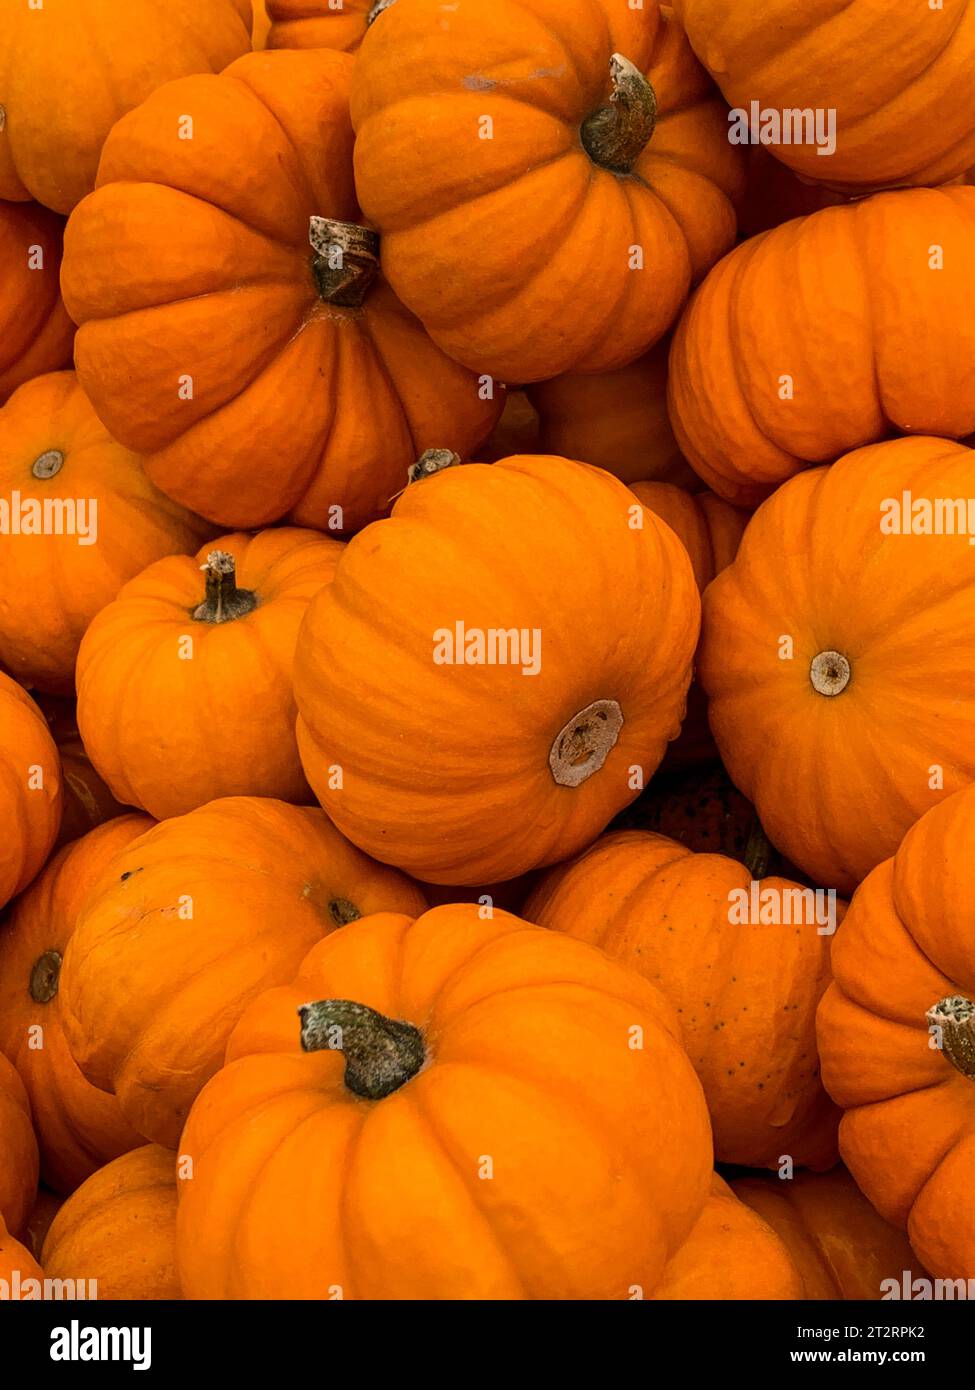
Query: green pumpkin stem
x: 616, y: 134
x: 381, y: 1054
x: 346, y: 261
x: 955, y: 1017
x: 224, y: 601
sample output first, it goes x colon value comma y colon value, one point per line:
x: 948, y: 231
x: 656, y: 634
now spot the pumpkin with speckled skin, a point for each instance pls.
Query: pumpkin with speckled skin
x: 18, y: 1150
x: 35, y: 331
x: 30, y: 789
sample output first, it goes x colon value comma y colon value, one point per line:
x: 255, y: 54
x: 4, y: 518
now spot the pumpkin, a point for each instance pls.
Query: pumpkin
x: 318, y: 24
x: 30, y: 789
x: 78, y: 1127
x: 17, y: 1266
x: 894, y: 77
x: 233, y: 327
x: 573, y: 178
x: 190, y: 649
x: 35, y: 331
x: 46, y: 1207
x: 119, y: 1229
x: 67, y: 76
x: 883, y: 286
x: 745, y: 965
x: 710, y: 528
x: 837, y: 656
x: 897, y: 1037
x: 228, y: 899
x: 261, y: 26
x: 435, y: 745
x: 774, y: 194
x: 516, y: 431
x: 85, y: 519
x: 87, y: 800
x: 482, y: 1059
x: 18, y: 1150
x: 731, y: 1253
x: 841, y: 1247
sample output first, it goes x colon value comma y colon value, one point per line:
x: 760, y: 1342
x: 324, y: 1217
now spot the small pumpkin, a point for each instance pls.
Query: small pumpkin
x: 471, y: 1048
x: 897, y: 1037
x: 882, y: 285
x: 87, y: 519
x: 495, y: 669
x: 17, y: 1267
x: 303, y: 388
x: 710, y: 528
x: 177, y: 736
x: 87, y: 800
x: 742, y: 961
x: 30, y: 789
x: 228, y: 899
x: 119, y: 1229
x: 261, y: 25
x: 573, y: 179
x: 78, y: 1126
x: 838, y: 660
x: 18, y: 1150
x: 65, y: 82
x: 312, y: 24
x: 35, y: 331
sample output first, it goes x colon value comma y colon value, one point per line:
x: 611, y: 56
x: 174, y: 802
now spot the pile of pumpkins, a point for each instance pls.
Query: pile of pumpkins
x: 465, y: 521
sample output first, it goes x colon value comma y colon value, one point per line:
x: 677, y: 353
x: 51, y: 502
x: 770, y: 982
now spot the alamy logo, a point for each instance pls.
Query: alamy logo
x: 492, y: 646
x: 77, y: 1343
x: 908, y: 515
x: 923, y: 1289
x: 20, y: 1290
x: 52, y: 516
x: 771, y: 906
x: 764, y: 125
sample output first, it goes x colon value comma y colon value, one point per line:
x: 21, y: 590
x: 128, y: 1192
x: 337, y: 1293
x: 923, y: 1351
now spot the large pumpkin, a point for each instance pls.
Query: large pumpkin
x: 883, y: 286
x: 30, y: 789
x: 85, y: 519
x: 544, y: 205
x: 18, y: 1150
x: 69, y: 71
x: 897, y: 1037
x: 78, y: 1126
x: 186, y: 925
x: 496, y: 669
x: 35, y: 331
x: 837, y: 654
x: 119, y: 1229
x: 513, y: 1117
x: 319, y: 24
x: 896, y: 78
x: 87, y: 800
x: 233, y: 326
x: 193, y: 654
x: 743, y: 962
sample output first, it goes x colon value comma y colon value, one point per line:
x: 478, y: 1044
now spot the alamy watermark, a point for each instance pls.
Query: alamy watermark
x: 493, y: 646
x: 793, y: 906
x: 50, y: 516
x: 908, y: 515
x: 794, y: 125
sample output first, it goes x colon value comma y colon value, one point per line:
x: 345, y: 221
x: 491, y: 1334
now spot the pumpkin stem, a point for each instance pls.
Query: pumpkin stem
x: 224, y: 601
x: 346, y: 260
x: 377, y: 10
x: 46, y: 465
x: 955, y: 1016
x: 582, y: 745
x: 342, y: 912
x: 44, y: 977
x: 616, y: 134
x: 430, y: 462
x: 758, y: 851
x: 381, y: 1054
x: 830, y: 673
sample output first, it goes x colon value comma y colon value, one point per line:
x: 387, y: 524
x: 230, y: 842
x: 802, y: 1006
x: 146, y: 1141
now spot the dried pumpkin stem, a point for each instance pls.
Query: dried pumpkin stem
x: 955, y: 1016
x: 430, y: 462
x: 377, y: 10
x: 381, y: 1054
x: 830, y: 673
x: 224, y: 601
x: 758, y: 851
x: 583, y: 744
x: 346, y: 260
x: 48, y: 464
x: 342, y: 912
x: 616, y: 134
x: 44, y: 977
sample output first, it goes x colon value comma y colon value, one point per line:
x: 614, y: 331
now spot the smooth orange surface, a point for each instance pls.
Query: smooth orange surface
x: 709, y: 527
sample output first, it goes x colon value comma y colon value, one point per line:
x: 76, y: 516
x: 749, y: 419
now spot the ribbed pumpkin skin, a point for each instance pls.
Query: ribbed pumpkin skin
x: 444, y: 767
x: 146, y: 1013
x: 178, y: 736
x: 69, y: 71
x: 30, y: 815
x: 87, y: 800
x: 600, y: 1150
x: 313, y: 24
x: 839, y: 1244
x: 898, y: 77
x: 51, y: 586
x: 119, y: 1229
x: 516, y: 251
x: 710, y: 528
x: 16, y: 1259
x: 196, y: 252
x: 35, y: 331
x: 908, y: 1134
x: 78, y: 1126
x: 860, y: 290
x: 18, y: 1150
x: 837, y: 780
x: 746, y: 995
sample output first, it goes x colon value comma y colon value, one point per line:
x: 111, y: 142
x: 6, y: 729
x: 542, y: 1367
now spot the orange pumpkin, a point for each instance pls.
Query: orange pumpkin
x: 182, y: 657
x: 895, y: 77
x: 743, y: 962
x: 516, y: 431
x: 78, y: 1127
x: 481, y: 1058
x: 838, y: 1243
x: 227, y: 900
x: 314, y: 24
x: 46, y: 1207
x: 710, y: 528
x: 86, y: 519
x: 261, y: 25
x: 18, y: 1150
x: 882, y: 286
x: 233, y: 326
x: 30, y: 789
x: 119, y: 1229
x: 17, y: 1267
x: 35, y: 331
x: 897, y: 1037
x: 67, y: 73
x: 87, y: 800
x: 434, y: 744
x: 560, y: 202
x: 837, y: 656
